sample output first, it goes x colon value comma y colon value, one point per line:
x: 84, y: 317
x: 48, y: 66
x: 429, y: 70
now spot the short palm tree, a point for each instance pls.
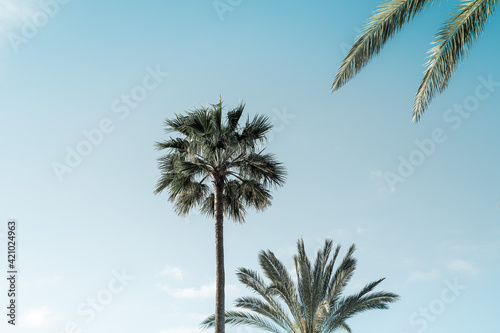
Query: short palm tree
x: 312, y: 305
x: 216, y: 165
x: 452, y: 43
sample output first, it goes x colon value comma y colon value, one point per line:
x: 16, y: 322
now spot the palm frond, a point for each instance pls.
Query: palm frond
x: 191, y: 197
x: 345, y: 327
x: 233, y: 205
x: 252, y: 280
x: 328, y: 273
x: 354, y: 304
x: 341, y: 276
x: 176, y: 124
x: 387, y: 20
x: 273, y: 311
x: 254, y: 194
x: 216, y: 116
x: 255, y: 131
x: 233, y: 117
x: 282, y: 283
x: 208, y: 206
x: 453, y: 41
x: 194, y: 167
x: 319, y: 305
x: 263, y: 168
x: 178, y: 144
x: 240, y: 318
x: 304, y: 281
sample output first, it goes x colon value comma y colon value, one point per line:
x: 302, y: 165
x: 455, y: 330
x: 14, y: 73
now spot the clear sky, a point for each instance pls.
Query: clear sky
x: 78, y: 167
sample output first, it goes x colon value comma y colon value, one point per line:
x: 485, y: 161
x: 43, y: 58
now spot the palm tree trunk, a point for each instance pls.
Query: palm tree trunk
x: 219, y: 256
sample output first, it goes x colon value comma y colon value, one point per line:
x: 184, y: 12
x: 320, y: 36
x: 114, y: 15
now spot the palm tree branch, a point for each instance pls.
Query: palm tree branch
x: 239, y: 318
x: 273, y: 311
x: 391, y: 16
x: 341, y: 276
x: 304, y: 281
x: 454, y: 40
x: 261, y: 167
x: 234, y: 116
x: 282, y: 284
x: 253, y: 281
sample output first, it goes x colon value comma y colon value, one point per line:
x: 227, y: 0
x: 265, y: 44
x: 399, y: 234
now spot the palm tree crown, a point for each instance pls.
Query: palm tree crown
x: 452, y: 42
x: 314, y: 304
x: 210, y: 149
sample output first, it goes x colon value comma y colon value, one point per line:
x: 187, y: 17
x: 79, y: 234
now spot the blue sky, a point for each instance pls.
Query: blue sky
x: 421, y: 202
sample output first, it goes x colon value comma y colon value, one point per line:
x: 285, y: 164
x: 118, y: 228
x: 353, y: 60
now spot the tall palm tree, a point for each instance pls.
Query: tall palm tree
x: 218, y: 167
x: 313, y: 305
x: 452, y: 42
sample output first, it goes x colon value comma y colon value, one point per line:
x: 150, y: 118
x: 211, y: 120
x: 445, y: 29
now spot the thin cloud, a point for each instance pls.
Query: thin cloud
x: 48, y: 281
x: 182, y: 329
x: 408, y: 261
x: 459, y: 265
x: 172, y: 272
x: 361, y: 230
x: 205, y: 291
x: 36, y: 317
x: 13, y: 12
x: 382, y: 190
x: 418, y: 276
x: 191, y: 316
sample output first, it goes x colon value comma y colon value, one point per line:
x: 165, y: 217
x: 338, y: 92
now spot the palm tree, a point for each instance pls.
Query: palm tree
x: 453, y: 41
x: 223, y: 154
x: 313, y: 305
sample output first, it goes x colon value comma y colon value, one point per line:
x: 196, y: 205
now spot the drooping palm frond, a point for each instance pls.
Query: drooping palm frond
x: 262, y: 167
x: 312, y: 304
x: 254, y: 282
x: 453, y: 41
x: 177, y: 144
x: 241, y: 318
x: 387, y: 20
x: 349, y: 306
x: 255, y: 130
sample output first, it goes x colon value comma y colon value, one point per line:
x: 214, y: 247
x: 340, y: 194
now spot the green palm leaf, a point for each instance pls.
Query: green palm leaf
x: 453, y: 42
